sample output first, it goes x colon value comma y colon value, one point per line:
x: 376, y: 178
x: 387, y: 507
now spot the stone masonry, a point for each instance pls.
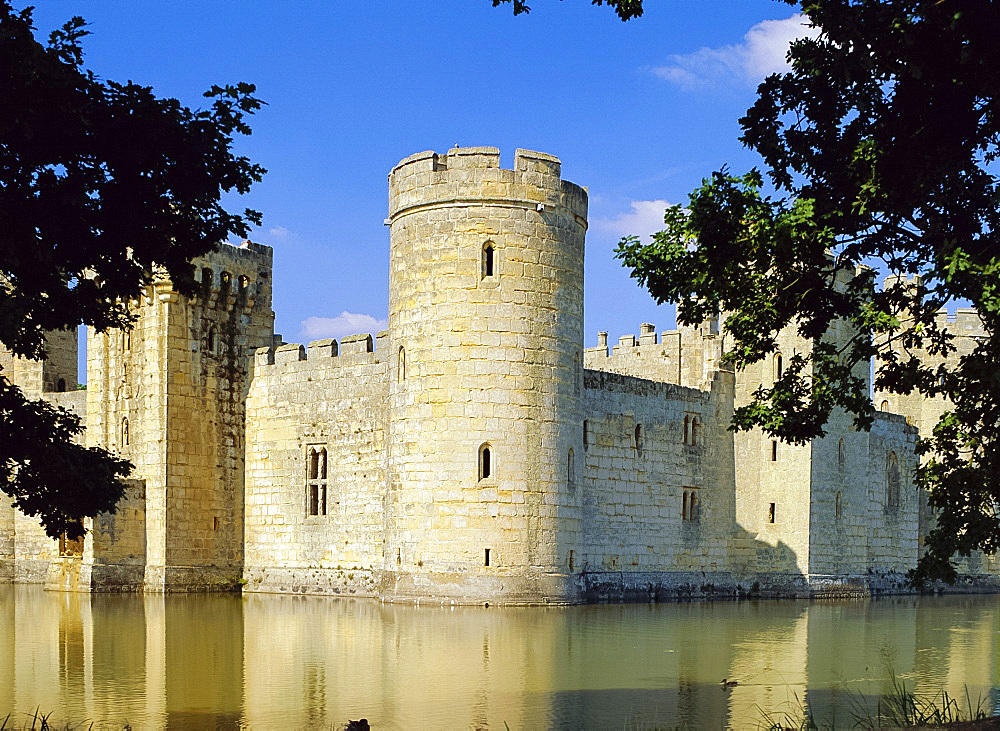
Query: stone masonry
x: 473, y: 452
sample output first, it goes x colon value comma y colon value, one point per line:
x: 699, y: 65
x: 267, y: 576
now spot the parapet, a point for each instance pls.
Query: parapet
x: 326, y: 350
x: 966, y: 321
x: 472, y: 175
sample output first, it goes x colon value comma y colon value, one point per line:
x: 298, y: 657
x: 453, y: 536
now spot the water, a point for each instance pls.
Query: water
x: 299, y: 662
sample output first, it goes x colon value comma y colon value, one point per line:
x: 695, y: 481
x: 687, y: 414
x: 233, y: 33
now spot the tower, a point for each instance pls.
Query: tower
x: 486, y: 327
x: 170, y: 396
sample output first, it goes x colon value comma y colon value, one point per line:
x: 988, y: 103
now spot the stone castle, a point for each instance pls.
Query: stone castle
x: 475, y: 451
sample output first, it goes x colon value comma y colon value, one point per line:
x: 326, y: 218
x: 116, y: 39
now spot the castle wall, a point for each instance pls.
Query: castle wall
x: 635, y: 514
x: 873, y: 536
x: 332, y: 401
x: 26, y: 551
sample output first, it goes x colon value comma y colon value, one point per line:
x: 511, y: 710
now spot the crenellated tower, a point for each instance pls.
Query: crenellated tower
x: 170, y: 395
x: 486, y: 326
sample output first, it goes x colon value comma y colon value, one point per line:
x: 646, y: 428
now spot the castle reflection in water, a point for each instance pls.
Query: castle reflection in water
x: 279, y: 661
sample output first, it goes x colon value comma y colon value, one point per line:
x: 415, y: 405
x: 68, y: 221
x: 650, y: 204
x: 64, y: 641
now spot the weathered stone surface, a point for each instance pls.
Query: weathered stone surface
x: 360, y: 468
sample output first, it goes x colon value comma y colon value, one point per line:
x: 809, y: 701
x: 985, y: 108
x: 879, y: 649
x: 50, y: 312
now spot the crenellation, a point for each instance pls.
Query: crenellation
x: 475, y: 450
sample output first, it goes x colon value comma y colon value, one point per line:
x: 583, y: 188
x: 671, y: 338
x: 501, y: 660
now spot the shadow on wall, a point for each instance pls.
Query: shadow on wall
x: 757, y: 569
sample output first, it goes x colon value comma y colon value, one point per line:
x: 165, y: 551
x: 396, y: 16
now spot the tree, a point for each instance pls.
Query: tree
x: 101, y: 185
x: 626, y: 9
x: 881, y: 146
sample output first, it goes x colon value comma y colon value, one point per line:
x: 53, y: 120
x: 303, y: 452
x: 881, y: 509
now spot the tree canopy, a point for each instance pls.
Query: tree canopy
x: 880, y: 148
x: 103, y: 185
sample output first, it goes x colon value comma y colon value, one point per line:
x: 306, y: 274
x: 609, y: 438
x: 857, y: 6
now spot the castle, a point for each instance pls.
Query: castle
x: 474, y: 451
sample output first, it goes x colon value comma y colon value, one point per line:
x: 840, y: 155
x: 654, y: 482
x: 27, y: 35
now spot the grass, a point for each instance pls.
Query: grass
x: 900, y: 708
x: 40, y: 722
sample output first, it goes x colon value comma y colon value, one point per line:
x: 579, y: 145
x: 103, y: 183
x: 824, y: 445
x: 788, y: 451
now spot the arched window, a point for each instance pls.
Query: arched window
x: 695, y: 430
x: 839, y: 507
x: 316, y: 482
x: 892, y: 496
x: 687, y: 430
x: 401, y: 365
x: 638, y: 440
x: 841, y: 454
x: 207, y: 277
x: 61, y: 385
x: 486, y: 466
x: 313, y: 464
x: 489, y: 256
x: 125, y: 432
x: 244, y: 282
x: 586, y: 434
x: 225, y: 279
x: 884, y: 406
x: 212, y: 343
x: 571, y: 469
x: 778, y: 366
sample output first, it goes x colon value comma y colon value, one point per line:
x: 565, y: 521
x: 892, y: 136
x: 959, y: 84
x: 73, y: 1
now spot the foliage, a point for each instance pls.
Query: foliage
x: 881, y: 146
x: 626, y: 9
x: 103, y: 187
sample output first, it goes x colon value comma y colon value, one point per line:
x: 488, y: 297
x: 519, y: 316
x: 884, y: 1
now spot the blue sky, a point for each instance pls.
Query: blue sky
x: 638, y: 112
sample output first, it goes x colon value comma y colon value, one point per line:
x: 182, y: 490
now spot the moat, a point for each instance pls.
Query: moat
x: 266, y: 661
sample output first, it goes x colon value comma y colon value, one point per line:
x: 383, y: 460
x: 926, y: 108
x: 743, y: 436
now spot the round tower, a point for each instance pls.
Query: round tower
x: 486, y: 325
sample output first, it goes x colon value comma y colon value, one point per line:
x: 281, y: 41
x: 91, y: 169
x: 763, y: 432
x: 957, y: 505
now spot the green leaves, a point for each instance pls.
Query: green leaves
x: 101, y: 184
x: 880, y: 140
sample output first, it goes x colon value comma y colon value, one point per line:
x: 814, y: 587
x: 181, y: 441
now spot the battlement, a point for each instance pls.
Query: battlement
x: 472, y: 175
x: 965, y: 321
x: 901, y: 279
x: 232, y: 273
x: 350, y: 350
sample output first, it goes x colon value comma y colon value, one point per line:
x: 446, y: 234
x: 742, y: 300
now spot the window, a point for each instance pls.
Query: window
x: 774, y: 450
x: 124, y: 441
x: 778, y: 367
x: 838, y: 509
x: 884, y: 406
x: 61, y: 385
x: 207, y: 276
x: 638, y: 440
x: 577, y: 374
x: 316, y: 482
x: 690, y: 505
x: 486, y: 467
x: 489, y: 256
x: 770, y: 513
x: 571, y: 470
x: 212, y: 343
x: 572, y: 560
x: 586, y: 434
x: 892, y: 497
x: 687, y: 430
x: 841, y: 454
x: 401, y: 366
x: 71, y: 547
x: 486, y: 557
x: 695, y: 431
x: 244, y: 281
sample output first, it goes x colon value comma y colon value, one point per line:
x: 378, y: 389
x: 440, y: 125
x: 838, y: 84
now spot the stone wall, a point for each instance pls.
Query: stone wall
x: 170, y: 395
x: 330, y: 401
x: 637, y: 508
x: 486, y: 306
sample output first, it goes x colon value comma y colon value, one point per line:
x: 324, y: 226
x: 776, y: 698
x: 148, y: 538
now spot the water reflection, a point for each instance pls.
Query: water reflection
x: 282, y: 661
